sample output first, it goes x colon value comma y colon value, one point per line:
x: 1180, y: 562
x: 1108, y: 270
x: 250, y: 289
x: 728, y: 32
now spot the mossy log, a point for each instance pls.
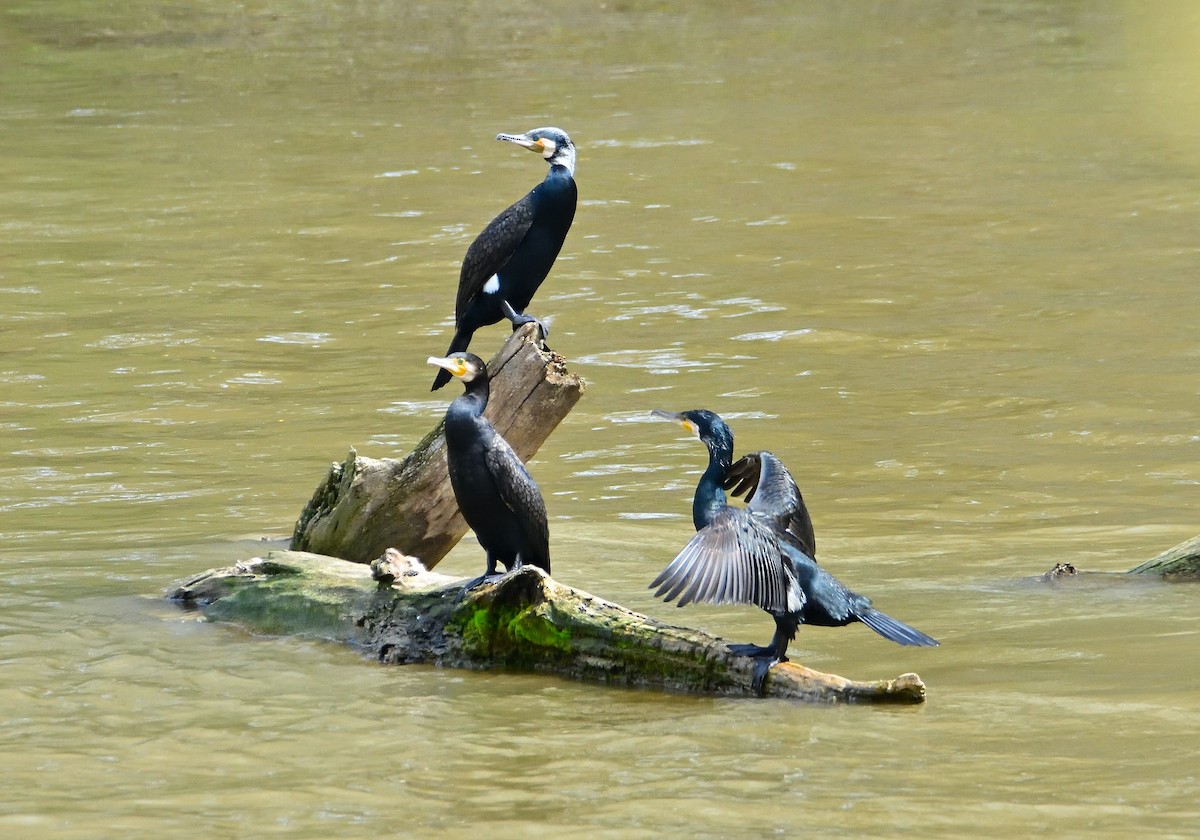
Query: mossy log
x: 1177, y: 564
x: 401, y: 613
x: 1182, y: 562
x: 367, y: 505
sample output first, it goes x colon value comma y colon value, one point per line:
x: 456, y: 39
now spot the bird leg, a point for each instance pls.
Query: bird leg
x: 489, y: 574
x: 767, y: 656
x: 764, y: 657
x: 520, y: 319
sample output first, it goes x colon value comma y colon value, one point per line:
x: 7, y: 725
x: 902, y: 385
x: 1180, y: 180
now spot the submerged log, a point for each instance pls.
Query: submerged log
x: 1181, y: 562
x: 401, y: 613
x: 367, y: 505
x: 1177, y: 564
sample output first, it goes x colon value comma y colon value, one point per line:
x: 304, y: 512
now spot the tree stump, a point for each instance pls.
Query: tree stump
x: 367, y: 505
x: 401, y: 613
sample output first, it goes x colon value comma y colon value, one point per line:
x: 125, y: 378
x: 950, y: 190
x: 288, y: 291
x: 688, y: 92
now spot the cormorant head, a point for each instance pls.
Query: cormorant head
x: 553, y: 144
x: 706, y: 425
x: 466, y: 366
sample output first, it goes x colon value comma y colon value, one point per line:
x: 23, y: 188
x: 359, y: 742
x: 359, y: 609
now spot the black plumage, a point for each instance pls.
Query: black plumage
x: 762, y: 554
x: 497, y: 496
x: 507, y: 262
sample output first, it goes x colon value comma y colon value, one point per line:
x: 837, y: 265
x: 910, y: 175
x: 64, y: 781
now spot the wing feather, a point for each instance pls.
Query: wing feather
x: 491, y: 251
x: 742, y: 478
x: 735, y: 559
x: 522, y: 496
x: 770, y: 490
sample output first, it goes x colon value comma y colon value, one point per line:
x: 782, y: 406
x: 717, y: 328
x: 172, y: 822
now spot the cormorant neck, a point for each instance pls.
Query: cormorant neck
x: 564, y: 161
x: 710, y: 496
x: 475, y: 398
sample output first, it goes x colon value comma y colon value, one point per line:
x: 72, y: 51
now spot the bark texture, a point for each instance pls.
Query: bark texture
x: 401, y: 613
x: 367, y: 505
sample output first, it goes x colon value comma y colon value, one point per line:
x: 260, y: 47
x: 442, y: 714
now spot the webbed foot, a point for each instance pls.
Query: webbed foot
x: 765, y: 656
x: 474, y: 583
x: 519, y: 319
x: 758, y: 682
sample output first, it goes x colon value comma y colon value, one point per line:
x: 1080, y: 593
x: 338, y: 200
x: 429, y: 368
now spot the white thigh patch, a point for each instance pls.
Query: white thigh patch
x: 492, y: 285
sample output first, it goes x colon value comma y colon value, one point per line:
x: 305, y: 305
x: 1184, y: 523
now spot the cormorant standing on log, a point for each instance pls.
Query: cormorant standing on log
x: 495, y: 493
x: 512, y: 256
x: 761, y: 554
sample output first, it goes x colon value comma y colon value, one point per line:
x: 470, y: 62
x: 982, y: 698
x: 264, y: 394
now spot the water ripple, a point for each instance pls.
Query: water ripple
x: 647, y: 144
x: 310, y: 339
x: 252, y: 378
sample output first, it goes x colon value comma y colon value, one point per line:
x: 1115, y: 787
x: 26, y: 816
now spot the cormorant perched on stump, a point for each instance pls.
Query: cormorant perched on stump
x: 495, y: 493
x: 761, y: 554
x: 512, y: 256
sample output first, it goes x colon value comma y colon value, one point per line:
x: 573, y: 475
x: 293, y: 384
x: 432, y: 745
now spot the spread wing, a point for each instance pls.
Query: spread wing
x: 770, y: 491
x: 741, y: 479
x: 522, y: 496
x: 735, y: 559
x: 491, y: 250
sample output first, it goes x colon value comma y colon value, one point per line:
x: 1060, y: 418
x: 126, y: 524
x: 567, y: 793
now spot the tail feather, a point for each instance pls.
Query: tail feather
x: 460, y: 342
x: 893, y: 630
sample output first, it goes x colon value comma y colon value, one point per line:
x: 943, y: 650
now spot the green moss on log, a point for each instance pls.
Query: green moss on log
x: 1179, y: 563
x: 511, y: 635
x: 304, y: 596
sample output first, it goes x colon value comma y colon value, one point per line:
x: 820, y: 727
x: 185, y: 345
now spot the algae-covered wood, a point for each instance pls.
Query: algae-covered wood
x: 1181, y: 562
x: 367, y: 505
x: 400, y: 612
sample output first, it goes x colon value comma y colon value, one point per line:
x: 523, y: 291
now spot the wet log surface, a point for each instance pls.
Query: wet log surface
x: 399, y: 612
x: 367, y: 505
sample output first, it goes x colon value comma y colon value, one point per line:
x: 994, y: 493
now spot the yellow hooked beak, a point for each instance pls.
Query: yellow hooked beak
x: 455, y: 364
x: 676, y: 418
x: 538, y: 145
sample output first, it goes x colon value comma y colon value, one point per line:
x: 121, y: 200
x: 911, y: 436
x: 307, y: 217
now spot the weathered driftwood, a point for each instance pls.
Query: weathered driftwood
x: 367, y: 505
x: 1179, y: 563
x: 401, y: 613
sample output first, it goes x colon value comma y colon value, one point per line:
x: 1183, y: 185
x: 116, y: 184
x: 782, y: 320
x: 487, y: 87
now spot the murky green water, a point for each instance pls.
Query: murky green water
x: 940, y: 257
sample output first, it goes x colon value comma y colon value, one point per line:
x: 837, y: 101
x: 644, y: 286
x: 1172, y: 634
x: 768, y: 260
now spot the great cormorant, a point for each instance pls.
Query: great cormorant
x: 512, y: 256
x: 495, y: 493
x: 762, y: 554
